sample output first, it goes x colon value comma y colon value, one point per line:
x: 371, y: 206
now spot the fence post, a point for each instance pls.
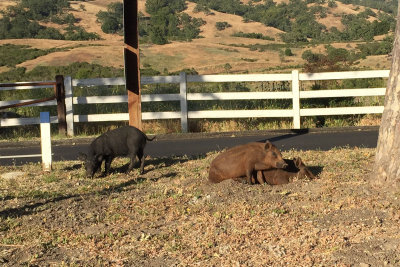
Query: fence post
x: 45, y: 140
x: 183, y: 97
x: 69, y: 105
x: 61, y: 110
x: 296, y: 99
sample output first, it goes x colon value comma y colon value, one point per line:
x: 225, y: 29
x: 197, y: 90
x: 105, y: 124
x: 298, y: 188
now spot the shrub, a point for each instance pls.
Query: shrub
x: 222, y: 25
x: 111, y: 20
x: 288, y: 52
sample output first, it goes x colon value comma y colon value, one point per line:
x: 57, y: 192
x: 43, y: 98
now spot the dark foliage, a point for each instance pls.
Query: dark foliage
x: 21, y: 21
x: 111, y: 20
x: 167, y: 22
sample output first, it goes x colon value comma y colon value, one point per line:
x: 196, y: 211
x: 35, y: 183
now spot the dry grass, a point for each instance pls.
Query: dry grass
x: 173, y: 216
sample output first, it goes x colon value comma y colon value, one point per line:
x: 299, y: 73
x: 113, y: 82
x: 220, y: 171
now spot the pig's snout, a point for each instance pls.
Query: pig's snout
x: 281, y: 164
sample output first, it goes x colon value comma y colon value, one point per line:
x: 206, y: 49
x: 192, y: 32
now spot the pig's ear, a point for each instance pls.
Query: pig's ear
x: 297, y: 162
x: 82, y: 156
x: 268, y: 145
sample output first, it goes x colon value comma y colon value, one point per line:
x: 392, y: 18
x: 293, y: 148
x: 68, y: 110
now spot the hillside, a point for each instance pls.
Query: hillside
x: 217, y: 51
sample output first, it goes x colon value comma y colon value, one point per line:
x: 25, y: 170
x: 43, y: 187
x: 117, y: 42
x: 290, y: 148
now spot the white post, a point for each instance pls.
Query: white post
x: 45, y: 140
x: 296, y: 99
x: 69, y: 105
x: 183, y: 97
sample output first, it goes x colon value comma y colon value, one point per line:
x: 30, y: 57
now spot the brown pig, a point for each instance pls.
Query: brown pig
x: 294, y: 168
x: 243, y: 160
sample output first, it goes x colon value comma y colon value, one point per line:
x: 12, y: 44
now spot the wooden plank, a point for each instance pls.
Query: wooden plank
x: 69, y: 104
x: 340, y: 111
x: 183, y: 102
x: 125, y: 116
x: 100, y: 99
x: 344, y: 75
x: 45, y: 141
x: 98, y: 81
x: 61, y: 108
x: 21, y: 156
x: 296, y: 99
x: 25, y: 87
x: 161, y: 97
x: 161, y: 115
x: 24, y: 121
x: 343, y: 93
x: 159, y: 79
x: 43, y: 104
x: 240, y: 96
x: 102, y: 117
x: 240, y: 78
x: 270, y: 113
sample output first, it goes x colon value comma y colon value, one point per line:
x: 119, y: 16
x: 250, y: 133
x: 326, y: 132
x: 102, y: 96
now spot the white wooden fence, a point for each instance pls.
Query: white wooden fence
x: 184, y: 114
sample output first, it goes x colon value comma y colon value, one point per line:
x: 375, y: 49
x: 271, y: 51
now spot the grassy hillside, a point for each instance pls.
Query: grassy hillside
x: 216, y: 52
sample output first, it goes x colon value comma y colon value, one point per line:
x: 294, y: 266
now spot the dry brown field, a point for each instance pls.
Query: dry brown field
x: 172, y: 216
x: 208, y: 55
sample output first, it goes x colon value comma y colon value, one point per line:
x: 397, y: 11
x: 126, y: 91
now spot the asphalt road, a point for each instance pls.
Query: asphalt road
x: 200, y: 144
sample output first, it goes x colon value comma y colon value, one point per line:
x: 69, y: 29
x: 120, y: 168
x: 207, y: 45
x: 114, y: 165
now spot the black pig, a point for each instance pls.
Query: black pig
x: 124, y: 141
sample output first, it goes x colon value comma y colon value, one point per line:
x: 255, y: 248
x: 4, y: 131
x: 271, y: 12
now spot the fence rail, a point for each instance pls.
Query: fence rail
x: 295, y: 78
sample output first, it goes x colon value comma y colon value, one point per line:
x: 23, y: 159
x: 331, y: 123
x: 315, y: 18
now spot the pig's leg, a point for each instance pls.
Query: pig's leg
x: 132, y: 163
x: 107, y: 164
x: 132, y: 156
x: 260, y: 177
x: 249, y: 176
x: 140, y: 155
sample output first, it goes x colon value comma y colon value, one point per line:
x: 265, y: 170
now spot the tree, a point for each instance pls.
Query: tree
x: 111, y: 20
x: 387, y: 160
x: 39, y: 9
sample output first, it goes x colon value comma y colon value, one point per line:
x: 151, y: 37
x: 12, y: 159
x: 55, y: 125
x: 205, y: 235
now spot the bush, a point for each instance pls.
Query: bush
x: 288, y: 52
x: 19, y: 21
x: 111, y: 20
x: 253, y: 35
x: 41, y: 9
x: 167, y: 23
x: 222, y: 25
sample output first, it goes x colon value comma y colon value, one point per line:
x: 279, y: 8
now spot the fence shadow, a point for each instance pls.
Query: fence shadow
x: 31, y: 208
x: 295, y: 132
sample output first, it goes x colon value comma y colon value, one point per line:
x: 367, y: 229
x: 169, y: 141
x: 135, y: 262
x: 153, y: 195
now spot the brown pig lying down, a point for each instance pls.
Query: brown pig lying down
x: 243, y: 160
x: 294, y: 168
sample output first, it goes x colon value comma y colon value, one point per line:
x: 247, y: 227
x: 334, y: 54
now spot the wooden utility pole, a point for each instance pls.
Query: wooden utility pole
x: 61, y: 108
x: 387, y: 161
x: 131, y: 54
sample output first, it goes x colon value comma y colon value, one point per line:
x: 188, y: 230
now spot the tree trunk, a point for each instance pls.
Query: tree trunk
x: 387, y: 160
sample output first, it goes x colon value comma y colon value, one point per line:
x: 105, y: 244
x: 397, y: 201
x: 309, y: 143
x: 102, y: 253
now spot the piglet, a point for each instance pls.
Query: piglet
x: 294, y: 168
x: 126, y: 141
x: 243, y: 160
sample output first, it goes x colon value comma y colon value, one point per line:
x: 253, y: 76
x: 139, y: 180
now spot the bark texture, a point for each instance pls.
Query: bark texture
x: 387, y: 161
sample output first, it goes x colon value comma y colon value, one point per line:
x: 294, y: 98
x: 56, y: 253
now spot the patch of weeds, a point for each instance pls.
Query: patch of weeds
x: 176, y: 243
x: 279, y: 211
x: 9, y: 224
x: 249, y: 59
x: 51, y: 178
x: 116, y: 217
x: 155, y: 195
x: 13, y: 240
x: 40, y: 194
x: 47, y: 246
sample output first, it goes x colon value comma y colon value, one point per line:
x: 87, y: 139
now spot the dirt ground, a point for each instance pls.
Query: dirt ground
x: 172, y: 216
